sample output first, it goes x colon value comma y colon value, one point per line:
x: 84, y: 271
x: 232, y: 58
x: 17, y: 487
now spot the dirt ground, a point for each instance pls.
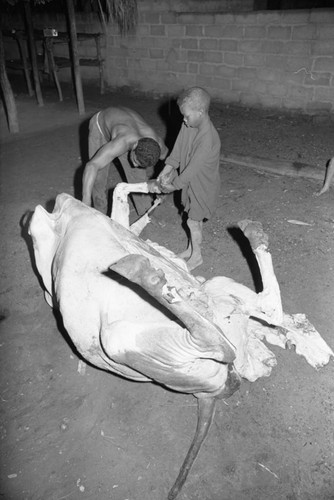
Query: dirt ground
x: 66, y: 435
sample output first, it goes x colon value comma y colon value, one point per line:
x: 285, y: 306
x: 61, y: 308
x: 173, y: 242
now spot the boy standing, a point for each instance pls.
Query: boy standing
x: 196, y: 154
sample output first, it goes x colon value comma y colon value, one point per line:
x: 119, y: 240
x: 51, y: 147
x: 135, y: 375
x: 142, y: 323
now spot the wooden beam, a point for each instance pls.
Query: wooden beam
x: 75, y: 57
x: 8, y: 95
x: 32, y: 49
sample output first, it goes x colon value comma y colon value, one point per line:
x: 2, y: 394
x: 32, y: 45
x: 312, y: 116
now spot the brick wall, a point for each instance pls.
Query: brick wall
x: 278, y: 59
x: 196, y: 5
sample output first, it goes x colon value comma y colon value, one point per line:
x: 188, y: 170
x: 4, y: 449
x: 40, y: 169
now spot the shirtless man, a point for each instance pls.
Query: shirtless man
x: 119, y: 133
x: 328, y: 177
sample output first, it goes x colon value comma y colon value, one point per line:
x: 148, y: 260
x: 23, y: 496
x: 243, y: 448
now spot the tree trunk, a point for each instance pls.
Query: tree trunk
x: 8, y: 95
x: 75, y: 57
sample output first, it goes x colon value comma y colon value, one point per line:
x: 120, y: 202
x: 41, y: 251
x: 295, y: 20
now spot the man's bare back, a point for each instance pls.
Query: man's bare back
x: 124, y: 121
x: 118, y: 133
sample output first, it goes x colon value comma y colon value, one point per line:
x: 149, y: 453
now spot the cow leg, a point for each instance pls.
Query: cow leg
x: 120, y: 206
x: 269, y: 300
x: 137, y: 227
x: 121, y: 209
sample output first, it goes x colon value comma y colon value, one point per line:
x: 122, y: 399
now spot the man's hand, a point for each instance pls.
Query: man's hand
x: 153, y: 186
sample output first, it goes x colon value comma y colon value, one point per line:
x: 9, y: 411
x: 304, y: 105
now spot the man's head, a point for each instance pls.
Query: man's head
x: 194, y: 104
x: 146, y: 153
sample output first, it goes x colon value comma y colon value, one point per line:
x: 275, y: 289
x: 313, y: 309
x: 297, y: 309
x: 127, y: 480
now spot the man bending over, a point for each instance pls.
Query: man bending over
x: 119, y: 133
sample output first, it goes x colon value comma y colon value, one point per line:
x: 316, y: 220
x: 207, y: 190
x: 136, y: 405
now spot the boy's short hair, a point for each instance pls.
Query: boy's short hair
x: 195, y: 97
x: 147, y: 152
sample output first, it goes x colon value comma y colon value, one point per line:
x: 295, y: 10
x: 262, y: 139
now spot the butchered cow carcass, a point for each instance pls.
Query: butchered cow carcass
x: 132, y: 307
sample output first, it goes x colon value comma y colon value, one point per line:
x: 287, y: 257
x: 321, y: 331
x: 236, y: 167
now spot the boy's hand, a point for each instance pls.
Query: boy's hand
x: 166, y: 174
x: 167, y: 188
x: 154, y: 186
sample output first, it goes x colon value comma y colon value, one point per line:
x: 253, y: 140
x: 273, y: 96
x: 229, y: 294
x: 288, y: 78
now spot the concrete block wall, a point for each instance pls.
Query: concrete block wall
x: 195, y: 5
x: 276, y: 59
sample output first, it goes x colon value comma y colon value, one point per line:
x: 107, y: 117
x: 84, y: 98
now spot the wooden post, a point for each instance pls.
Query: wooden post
x: 32, y: 49
x: 7, y: 91
x: 75, y: 57
x: 101, y: 62
x: 24, y: 57
x: 52, y: 65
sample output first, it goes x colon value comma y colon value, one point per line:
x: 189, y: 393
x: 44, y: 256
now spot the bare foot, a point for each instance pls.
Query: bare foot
x: 322, y: 191
x: 328, y: 178
x: 194, y: 262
